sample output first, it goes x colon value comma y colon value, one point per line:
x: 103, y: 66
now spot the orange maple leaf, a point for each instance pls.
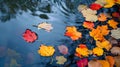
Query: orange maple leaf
x: 102, y: 17
x: 71, y: 31
x: 113, y: 23
x: 88, y: 25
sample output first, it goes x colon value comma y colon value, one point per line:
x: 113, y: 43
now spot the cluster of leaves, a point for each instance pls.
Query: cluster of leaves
x: 101, y: 27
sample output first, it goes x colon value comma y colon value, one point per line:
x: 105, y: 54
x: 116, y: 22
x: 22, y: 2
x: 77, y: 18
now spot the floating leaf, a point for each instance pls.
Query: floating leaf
x: 104, y: 63
x: 116, y: 14
x: 61, y: 59
x: 48, y: 27
x: 113, y: 23
x: 117, y: 61
x: 82, y: 62
x: 29, y: 36
x: 111, y: 60
x: 109, y: 3
x: 113, y: 41
x: 13, y: 63
x: 88, y: 25
x: 116, y: 33
x: 115, y: 50
x: 101, y: 2
x: 95, y: 6
x: 104, y: 44
x: 82, y: 50
x: 102, y: 17
x: 94, y: 63
x: 46, y: 50
x: 82, y: 7
x: 72, y: 32
x: 63, y: 49
x: 98, y: 51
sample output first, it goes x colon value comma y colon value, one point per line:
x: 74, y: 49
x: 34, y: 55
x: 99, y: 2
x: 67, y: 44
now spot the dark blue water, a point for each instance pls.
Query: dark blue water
x: 18, y: 15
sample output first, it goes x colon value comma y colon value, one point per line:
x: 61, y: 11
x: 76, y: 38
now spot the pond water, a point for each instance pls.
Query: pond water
x: 18, y: 15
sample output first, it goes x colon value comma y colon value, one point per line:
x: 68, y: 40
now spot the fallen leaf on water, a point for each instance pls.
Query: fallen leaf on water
x: 113, y: 23
x: 61, y: 59
x: 82, y: 50
x: 111, y: 60
x: 71, y: 31
x: 104, y: 63
x: 29, y: 36
x: 88, y: 25
x: 95, y: 6
x: 102, y: 17
x: 116, y: 33
x: 117, y: 61
x: 115, y: 50
x: 116, y: 14
x: 46, y: 50
x: 82, y: 62
x: 47, y: 26
x: 63, y: 49
x: 98, y: 51
x: 94, y: 63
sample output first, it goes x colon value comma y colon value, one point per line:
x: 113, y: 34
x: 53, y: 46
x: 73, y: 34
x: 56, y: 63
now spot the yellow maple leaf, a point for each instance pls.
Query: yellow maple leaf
x: 98, y: 51
x: 46, y: 50
x: 113, y: 23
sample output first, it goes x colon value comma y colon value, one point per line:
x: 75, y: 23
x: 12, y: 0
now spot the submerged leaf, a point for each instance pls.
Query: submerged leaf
x: 46, y: 50
x: 61, y: 59
x: 48, y: 27
x: 116, y: 33
x: 115, y: 50
x: 82, y: 62
x: 29, y: 36
x: 63, y: 49
x: 72, y: 32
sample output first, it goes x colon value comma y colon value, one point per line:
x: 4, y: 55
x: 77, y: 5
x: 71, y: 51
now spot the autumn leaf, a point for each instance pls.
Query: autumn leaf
x: 109, y: 3
x: 115, y: 50
x: 101, y: 2
x: 95, y: 6
x: 104, y: 44
x: 29, y: 36
x: 113, y: 41
x: 46, y: 50
x: 47, y: 26
x: 104, y: 63
x: 82, y: 62
x: 82, y: 50
x: 63, y: 49
x: 88, y: 25
x: 113, y: 23
x: 94, y: 63
x: 98, y: 51
x: 82, y: 7
x: 102, y: 17
x: 116, y: 14
x: 111, y: 60
x: 116, y: 33
x: 72, y: 32
x: 61, y: 59
x: 117, y: 61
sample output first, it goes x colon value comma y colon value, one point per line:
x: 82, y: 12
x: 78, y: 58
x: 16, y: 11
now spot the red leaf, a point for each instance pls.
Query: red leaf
x: 29, y: 36
x: 82, y: 63
x: 116, y: 14
x: 95, y: 6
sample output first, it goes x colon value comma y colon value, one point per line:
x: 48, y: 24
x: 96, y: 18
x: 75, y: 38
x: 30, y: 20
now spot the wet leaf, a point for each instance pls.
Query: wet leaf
x: 101, y: 2
x: 111, y: 60
x: 13, y: 63
x: 48, y: 27
x: 82, y: 50
x: 95, y: 6
x: 61, y: 59
x: 102, y: 17
x: 116, y: 14
x: 117, y: 61
x: 46, y: 50
x: 88, y: 25
x: 29, y: 36
x: 109, y: 3
x: 94, y: 63
x: 113, y: 41
x: 104, y: 63
x: 115, y: 50
x: 71, y: 31
x: 98, y: 51
x: 82, y: 62
x: 63, y: 49
x: 116, y: 33
x: 113, y: 23
x: 44, y: 16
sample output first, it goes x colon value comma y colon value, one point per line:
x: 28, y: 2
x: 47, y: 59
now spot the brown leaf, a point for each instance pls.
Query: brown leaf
x: 111, y: 60
x: 117, y: 61
x: 115, y: 50
x: 94, y: 63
